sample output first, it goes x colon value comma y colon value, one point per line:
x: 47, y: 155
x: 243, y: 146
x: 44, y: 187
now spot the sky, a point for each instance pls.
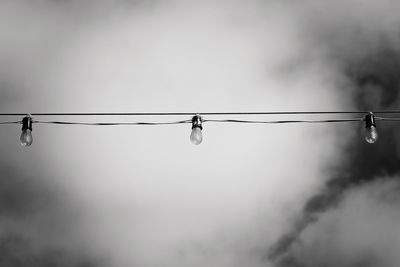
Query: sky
x: 250, y: 195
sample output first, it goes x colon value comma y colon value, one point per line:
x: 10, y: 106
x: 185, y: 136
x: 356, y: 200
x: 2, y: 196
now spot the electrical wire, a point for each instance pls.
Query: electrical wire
x: 370, y: 134
x: 189, y: 121
x: 204, y: 121
x: 10, y: 122
x: 387, y: 119
x: 285, y: 121
x: 203, y: 113
x: 111, y: 123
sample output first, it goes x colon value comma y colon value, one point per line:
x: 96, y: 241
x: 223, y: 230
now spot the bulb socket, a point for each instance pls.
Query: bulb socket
x: 197, y: 122
x: 27, y: 123
x: 370, y: 120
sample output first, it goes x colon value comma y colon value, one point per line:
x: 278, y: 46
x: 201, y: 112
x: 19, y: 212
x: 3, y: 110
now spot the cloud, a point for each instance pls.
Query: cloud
x: 36, y: 224
x: 145, y: 196
x: 360, y: 231
x: 360, y: 39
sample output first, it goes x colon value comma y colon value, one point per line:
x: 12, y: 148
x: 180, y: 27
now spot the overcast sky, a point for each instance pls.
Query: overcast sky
x: 249, y: 195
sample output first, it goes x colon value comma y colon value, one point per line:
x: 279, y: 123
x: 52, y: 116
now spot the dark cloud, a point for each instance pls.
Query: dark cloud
x: 360, y: 231
x: 22, y: 195
x: 32, y: 218
x: 368, y: 60
x: 19, y: 251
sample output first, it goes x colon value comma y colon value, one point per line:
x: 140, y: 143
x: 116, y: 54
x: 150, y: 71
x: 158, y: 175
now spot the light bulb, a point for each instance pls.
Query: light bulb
x: 26, y: 138
x: 196, y: 136
x: 370, y: 131
x: 371, y: 134
x: 26, y: 135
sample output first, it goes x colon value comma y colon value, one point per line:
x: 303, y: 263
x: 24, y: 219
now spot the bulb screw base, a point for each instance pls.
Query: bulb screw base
x: 197, y: 122
x: 27, y: 123
x: 369, y: 120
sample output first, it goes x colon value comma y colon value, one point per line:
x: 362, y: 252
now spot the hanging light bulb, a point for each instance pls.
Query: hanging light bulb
x: 26, y: 135
x: 196, y: 136
x: 370, y: 131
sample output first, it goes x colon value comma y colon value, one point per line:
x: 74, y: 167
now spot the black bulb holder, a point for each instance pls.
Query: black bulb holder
x: 369, y: 120
x: 27, y: 123
x: 197, y: 122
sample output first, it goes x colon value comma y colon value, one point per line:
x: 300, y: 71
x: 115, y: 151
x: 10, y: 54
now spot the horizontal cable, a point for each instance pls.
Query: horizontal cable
x: 286, y: 121
x: 111, y: 123
x: 203, y: 113
x: 189, y: 121
x: 204, y: 121
x: 10, y: 122
x: 387, y: 119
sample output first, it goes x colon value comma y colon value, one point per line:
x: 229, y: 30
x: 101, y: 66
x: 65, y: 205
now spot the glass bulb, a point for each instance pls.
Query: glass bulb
x: 371, y: 134
x: 26, y: 138
x: 196, y: 136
